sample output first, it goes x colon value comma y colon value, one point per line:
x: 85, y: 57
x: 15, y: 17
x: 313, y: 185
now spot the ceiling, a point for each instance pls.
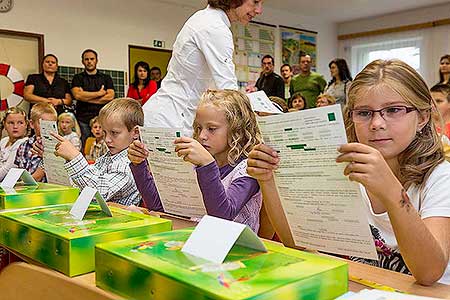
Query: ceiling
x: 334, y: 10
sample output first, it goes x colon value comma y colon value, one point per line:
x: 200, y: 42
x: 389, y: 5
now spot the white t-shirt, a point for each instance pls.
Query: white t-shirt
x: 202, y: 58
x: 433, y: 201
x: 8, y: 155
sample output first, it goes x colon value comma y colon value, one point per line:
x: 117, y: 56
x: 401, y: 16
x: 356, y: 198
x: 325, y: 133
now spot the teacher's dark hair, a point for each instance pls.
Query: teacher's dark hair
x: 225, y: 5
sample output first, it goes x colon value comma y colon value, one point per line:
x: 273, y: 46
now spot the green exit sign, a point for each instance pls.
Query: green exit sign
x: 158, y: 44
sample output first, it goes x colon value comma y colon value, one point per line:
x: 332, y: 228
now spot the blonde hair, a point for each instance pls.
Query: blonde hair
x: 425, y: 152
x: 243, y: 131
x: 330, y: 99
x: 93, y: 121
x: 41, y: 108
x: 74, y: 123
x: 128, y: 110
x: 15, y: 110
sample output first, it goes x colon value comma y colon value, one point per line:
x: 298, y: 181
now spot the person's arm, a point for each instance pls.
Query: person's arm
x: 322, y: 83
x: 153, y: 87
x: 261, y: 163
x: 279, y: 85
x: 8, y: 164
x: 223, y: 203
x: 81, y: 95
x: 28, y: 95
x: 39, y: 174
x: 291, y: 87
x: 146, y: 186
x: 67, y: 99
x: 216, y: 44
x: 415, y: 236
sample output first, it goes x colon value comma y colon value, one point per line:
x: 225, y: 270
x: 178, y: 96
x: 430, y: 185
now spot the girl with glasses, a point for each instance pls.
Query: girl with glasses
x: 395, y: 153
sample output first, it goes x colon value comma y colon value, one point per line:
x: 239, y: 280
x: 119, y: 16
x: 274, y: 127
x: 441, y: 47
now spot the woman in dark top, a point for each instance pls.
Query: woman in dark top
x: 444, y: 69
x: 142, y: 87
x: 47, y: 86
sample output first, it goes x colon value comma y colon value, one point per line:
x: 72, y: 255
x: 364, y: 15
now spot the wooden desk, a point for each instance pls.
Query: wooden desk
x: 392, y: 279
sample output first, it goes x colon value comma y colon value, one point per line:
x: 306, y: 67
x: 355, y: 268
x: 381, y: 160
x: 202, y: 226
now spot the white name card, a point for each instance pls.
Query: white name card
x: 81, y: 205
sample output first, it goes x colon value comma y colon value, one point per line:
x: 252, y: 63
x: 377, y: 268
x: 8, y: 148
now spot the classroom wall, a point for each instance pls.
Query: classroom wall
x: 109, y: 26
x: 410, y: 17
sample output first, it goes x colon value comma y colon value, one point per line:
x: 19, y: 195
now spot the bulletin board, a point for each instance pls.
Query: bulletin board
x: 296, y: 41
x: 153, y: 56
x: 251, y: 43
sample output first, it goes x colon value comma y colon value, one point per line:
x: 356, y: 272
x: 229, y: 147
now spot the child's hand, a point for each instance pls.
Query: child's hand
x: 137, y: 152
x: 368, y: 167
x: 38, y: 148
x: 65, y: 148
x: 192, y: 151
x: 262, y: 160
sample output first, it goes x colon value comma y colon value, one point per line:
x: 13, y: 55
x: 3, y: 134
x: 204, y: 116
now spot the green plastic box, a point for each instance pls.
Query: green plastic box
x: 22, y: 196
x: 51, y: 236
x: 153, y: 267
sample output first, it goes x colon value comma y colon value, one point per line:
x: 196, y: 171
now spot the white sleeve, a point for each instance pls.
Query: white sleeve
x: 216, y: 44
x: 436, y: 194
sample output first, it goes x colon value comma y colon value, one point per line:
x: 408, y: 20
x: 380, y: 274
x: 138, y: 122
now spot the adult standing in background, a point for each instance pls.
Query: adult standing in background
x: 444, y: 69
x: 269, y: 82
x: 142, y: 87
x: 92, y: 90
x: 47, y: 86
x: 310, y: 84
x: 286, y: 74
x: 202, y: 58
x: 340, y: 80
x: 156, y: 75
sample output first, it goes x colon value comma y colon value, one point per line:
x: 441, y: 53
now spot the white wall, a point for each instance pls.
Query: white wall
x: 109, y: 26
x: 410, y: 17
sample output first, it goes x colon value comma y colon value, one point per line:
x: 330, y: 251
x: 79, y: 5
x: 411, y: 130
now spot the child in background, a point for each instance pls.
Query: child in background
x: 325, y: 100
x: 25, y: 159
x: 297, y: 102
x: 225, y: 130
x: 70, y: 130
x: 16, y: 125
x: 396, y: 155
x: 441, y: 95
x: 98, y: 147
x: 111, y: 174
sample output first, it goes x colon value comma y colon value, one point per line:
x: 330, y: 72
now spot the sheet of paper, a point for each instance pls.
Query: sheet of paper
x: 81, y: 205
x: 323, y: 208
x: 13, y: 175
x: 176, y: 180
x: 383, y: 295
x: 204, y: 243
x: 54, y: 166
x: 261, y: 103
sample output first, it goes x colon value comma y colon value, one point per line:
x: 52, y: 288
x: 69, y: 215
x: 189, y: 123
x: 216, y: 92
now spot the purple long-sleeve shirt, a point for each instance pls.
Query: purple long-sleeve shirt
x: 219, y: 202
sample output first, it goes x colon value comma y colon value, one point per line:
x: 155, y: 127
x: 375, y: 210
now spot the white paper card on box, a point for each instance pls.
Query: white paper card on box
x: 14, y: 174
x: 213, y: 239
x: 261, y: 103
x: 81, y: 205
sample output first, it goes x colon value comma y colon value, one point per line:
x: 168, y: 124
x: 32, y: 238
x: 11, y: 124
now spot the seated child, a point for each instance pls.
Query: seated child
x: 111, y: 174
x: 297, y: 102
x: 25, y: 158
x: 98, y: 147
x: 70, y: 130
x: 225, y: 130
x: 394, y: 152
x: 441, y: 95
x: 325, y: 100
x: 16, y: 125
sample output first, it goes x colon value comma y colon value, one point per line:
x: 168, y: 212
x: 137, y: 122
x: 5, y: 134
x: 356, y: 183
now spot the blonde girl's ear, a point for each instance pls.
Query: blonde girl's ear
x: 424, y: 118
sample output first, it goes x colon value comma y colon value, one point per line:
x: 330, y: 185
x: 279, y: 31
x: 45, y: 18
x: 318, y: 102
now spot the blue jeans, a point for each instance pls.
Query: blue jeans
x: 85, y: 133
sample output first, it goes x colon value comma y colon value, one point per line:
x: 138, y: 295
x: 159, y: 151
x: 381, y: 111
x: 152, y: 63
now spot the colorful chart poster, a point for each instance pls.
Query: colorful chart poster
x: 251, y: 43
x: 297, y: 41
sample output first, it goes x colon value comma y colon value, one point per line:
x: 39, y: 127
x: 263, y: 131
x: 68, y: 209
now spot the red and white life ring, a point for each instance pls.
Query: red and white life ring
x: 17, y: 80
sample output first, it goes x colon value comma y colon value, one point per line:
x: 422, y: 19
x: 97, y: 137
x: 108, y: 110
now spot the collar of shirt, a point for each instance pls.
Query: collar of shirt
x: 221, y: 14
x: 118, y: 156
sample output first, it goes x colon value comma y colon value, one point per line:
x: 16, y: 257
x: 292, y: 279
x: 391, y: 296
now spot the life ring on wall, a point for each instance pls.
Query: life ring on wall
x: 17, y: 80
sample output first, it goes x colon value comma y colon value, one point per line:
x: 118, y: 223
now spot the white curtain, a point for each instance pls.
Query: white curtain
x: 420, y: 48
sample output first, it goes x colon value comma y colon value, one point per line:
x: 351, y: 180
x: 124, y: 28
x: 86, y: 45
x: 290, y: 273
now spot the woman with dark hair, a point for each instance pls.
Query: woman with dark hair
x: 47, y: 86
x: 202, y: 58
x: 444, y: 69
x: 142, y: 87
x: 340, y: 80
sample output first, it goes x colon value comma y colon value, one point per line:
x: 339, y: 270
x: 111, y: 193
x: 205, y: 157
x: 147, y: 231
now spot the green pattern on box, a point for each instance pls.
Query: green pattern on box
x: 153, y: 267
x: 41, y: 195
x: 51, y: 236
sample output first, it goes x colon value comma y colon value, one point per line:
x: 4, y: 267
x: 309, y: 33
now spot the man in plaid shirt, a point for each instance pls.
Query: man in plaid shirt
x: 25, y: 159
x: 111, y: 174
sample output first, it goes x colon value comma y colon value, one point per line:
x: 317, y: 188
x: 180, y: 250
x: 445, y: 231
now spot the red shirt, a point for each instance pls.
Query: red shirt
x: 144, y: 94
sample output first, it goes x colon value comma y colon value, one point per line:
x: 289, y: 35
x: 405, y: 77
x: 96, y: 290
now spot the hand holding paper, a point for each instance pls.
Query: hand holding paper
x: 262, y: 161
x: 137, y: 152
x: 192, y: 151
x: 64, y: 148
